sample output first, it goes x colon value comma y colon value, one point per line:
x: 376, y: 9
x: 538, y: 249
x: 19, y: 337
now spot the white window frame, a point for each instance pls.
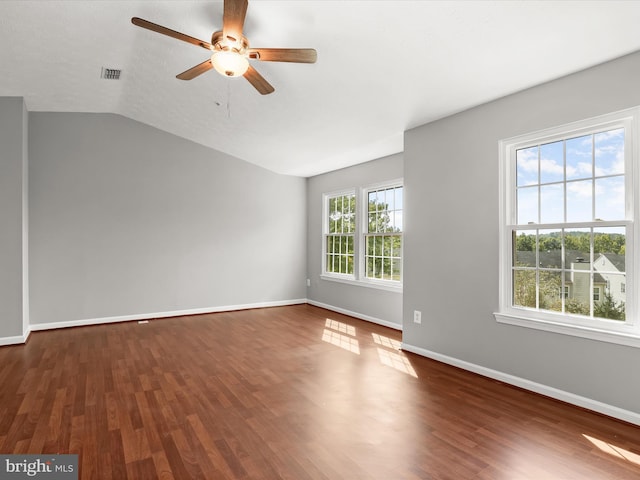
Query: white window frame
x: 325, y: 234
x: 614, y: 331
x: 358, y: 277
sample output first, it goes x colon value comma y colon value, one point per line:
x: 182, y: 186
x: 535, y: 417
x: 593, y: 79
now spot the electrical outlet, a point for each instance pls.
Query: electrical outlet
x: 417, y: 316
x: 308, y: 282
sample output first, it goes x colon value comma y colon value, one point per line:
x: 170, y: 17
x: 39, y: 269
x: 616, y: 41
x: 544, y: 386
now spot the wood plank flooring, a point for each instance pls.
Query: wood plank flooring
x: 286, y: 393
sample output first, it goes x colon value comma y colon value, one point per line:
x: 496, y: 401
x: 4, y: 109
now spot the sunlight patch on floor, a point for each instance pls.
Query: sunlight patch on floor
x: 334, y: 333
x: 397, y: 361
x: 614, y: 450
x: 340, y: 327
x: 343, y: 341
x: 386, y: 341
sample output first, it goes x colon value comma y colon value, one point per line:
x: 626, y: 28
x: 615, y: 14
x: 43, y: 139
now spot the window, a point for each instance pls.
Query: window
x: 340, y: 229
x: 363, y: 236
x: 383, y: 250
x: 568, y: 224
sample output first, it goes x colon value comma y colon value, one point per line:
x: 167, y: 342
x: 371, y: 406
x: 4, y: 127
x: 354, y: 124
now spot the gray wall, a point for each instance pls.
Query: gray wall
x: 13, y: 211
x: 451, y: 239
x: 382, y: 305
x: 126, y: 219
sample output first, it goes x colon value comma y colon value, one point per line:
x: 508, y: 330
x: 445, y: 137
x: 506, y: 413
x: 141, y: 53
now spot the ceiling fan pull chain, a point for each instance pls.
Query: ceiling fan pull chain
x: 228, y: 99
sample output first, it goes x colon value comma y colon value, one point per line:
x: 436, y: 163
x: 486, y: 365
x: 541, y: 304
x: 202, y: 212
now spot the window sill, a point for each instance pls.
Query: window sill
x: 390, y: 287
x: 624, y: 335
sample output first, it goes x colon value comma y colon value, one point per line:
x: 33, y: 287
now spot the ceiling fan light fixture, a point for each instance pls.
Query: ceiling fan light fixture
x: 229, y: 63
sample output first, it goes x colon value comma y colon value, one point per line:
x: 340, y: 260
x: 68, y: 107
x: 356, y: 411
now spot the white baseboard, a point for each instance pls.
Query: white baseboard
x: 16, y: 340
x: 384, y: 323
x: 588, y: 403
x: 149, y: 316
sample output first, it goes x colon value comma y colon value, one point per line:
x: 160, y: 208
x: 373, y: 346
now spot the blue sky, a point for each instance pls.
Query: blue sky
x: 593, y: 164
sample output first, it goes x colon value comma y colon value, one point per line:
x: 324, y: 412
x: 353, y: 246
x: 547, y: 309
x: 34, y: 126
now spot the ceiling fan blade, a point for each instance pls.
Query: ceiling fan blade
x: 195, y: 71
x: 258, y: 81
x: 296, y: 55
x: 171, y: 33
x: 233, y: 18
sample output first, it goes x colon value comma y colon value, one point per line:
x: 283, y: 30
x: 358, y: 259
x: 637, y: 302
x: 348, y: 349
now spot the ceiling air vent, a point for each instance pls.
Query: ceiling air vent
x: 110, y: 73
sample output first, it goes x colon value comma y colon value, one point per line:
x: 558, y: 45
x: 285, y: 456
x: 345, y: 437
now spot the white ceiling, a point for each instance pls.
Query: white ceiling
x: 383, y: 67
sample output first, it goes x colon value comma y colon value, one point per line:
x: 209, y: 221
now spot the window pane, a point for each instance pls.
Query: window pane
x: 527, y: 205
x: 609, y: 152
x: 380, y: 200
x: 579, y: 157
x: 377, y: 267
x: 372, y: 222
x: 608, y: 298
x: 398, y: 198
x: 524, y: 248
x: 579, y: 201
x: 373, y: 246
x: 391, y: 226
x: 609, y: 247
x: 386, y: 268
x: 577, y: 246
x: 388, y: 221
x: 369, y: 267
x: 390, y: 199
x: 399, y: 221
x: 527, y: 166
x: 330, y: 242
x: 397, y: 247
x: 552, y: 162
x: 524, y: 288
x: 550, y: 248
x: 396, y: 269
x: 575, y: 306
x: 610, y: 198
x: 579, y: 279
x: 550, y: 290
x: 371, y: 198
x: 551, y: 204
x: 386, y: 246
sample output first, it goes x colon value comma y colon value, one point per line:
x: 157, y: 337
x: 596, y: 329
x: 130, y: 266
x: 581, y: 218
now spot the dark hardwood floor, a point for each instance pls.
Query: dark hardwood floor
x: 290, y: 392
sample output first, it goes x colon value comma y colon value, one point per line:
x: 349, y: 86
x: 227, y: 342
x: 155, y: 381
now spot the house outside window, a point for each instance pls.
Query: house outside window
x: 568, y: 224
x: 363, y: 235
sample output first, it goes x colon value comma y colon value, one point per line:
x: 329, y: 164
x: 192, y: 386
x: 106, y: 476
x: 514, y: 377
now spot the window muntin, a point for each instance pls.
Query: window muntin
x: 568, y: 209
x: 383, y: 237
x: 340, y: 231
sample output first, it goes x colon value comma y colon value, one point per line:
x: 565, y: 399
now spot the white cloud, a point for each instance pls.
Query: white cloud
x: 550, y: 166
x: 580, y: 189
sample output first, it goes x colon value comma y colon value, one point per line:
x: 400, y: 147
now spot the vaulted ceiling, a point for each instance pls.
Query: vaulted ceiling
x: 383, y: 67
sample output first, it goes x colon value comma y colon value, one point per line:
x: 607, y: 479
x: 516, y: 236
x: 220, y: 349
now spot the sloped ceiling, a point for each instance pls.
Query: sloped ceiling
x: 383, y: 67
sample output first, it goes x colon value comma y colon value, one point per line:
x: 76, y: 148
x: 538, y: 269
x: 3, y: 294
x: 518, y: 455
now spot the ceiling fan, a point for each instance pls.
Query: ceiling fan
x: 231, y: 51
